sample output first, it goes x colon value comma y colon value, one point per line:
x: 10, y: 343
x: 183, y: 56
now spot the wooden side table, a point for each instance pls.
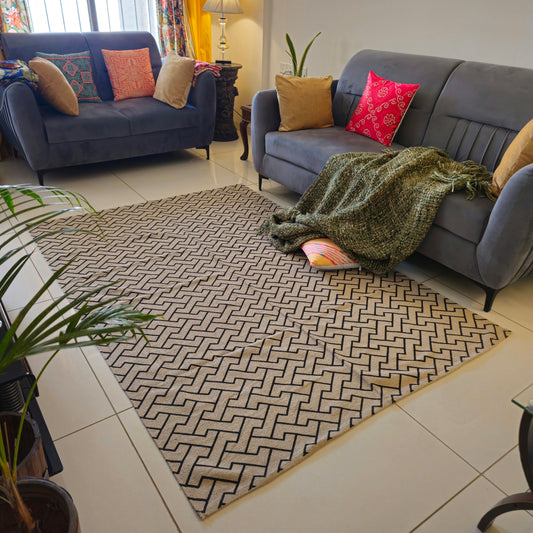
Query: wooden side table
x: 246, y: 119
x: 226, y: 91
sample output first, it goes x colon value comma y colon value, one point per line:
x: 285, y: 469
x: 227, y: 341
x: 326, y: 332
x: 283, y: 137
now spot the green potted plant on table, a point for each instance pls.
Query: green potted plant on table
x: 73, y: 320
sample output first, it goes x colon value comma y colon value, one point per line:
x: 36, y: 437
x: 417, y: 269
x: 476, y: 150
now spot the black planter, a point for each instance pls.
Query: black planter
x: 51, y: 506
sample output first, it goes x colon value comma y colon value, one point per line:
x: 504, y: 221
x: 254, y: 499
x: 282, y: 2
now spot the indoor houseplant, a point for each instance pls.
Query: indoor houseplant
x: 298, y: 68
x: 89, y: 318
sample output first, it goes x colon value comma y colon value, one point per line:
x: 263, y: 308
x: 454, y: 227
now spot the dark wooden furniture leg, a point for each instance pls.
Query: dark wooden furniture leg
x: 246, y: 119
x: 489, y: 298
x: 261, y: 178
x: 523, y: 500
x: 206, y: 148
x: 40, y: 177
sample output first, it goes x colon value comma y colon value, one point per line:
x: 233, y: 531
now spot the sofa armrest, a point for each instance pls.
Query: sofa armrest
x: 265, y: 118
x: 22, y: 124
x: 505, y: 253
x: 203, y: 96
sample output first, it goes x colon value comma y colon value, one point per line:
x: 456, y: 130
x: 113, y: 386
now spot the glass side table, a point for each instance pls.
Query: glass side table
x: 522, y: 501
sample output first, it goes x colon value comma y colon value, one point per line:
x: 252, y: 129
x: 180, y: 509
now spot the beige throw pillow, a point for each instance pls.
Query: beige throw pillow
x: 518, y: 155
x: 304, y: 103
x: 174, y: 80
x: 54, y: 87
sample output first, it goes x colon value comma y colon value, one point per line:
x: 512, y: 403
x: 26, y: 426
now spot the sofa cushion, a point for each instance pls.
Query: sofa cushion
x: 304, y: 102
x: 310, y: 149
x: 54, y: 88
x: 130, y: 73
x: 324, y: 254
x: 381, y: 109
x: 465, y: 218
x: 518, y: 155
x: 147, y: 115
x: 175, y: 80
x: 100, y: 121
x: 78, y: 72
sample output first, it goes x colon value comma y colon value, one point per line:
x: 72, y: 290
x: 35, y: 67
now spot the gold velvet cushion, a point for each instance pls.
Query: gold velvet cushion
x: 304, y: 103
x: 54, y: 87
x: 174, y: 80
x: 518, y: 155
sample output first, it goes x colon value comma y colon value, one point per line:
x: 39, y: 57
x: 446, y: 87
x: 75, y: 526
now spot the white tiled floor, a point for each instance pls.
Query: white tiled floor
x: 433, y: 463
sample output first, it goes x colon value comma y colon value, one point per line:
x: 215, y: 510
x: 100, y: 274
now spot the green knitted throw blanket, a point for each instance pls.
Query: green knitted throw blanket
x: 377, y: 207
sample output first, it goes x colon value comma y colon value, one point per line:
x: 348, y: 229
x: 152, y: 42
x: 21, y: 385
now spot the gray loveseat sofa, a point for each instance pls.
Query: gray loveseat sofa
x: 472, y: 110
x: 103, y: 131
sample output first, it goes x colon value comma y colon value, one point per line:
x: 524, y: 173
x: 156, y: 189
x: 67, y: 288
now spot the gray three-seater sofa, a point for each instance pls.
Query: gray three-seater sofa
x: 472, y: 110
x: 103, y: 131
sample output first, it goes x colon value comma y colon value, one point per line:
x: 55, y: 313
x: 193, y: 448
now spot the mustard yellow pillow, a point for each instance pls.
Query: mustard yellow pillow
x: 174, y: 80
x: 518, y: 155
x: 54, y: 87
x: 304, y: 103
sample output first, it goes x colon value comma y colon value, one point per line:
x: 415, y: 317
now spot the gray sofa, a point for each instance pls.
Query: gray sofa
x: 472, y: 110
x: 103, y: 131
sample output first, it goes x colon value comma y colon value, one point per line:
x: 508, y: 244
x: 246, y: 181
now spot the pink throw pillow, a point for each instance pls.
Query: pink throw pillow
x: 130, y: 73
x: 381, y: 108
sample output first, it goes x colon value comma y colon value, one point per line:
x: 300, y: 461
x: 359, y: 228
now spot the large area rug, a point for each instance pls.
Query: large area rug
x: 257, y: 360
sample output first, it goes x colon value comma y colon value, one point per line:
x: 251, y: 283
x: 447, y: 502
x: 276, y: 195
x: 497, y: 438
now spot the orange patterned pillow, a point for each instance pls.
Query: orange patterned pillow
x: 130, y: 73
x: 324, y: 254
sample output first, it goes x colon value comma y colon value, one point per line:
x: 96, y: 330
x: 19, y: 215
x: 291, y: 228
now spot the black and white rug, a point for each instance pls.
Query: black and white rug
x: 257, y: 359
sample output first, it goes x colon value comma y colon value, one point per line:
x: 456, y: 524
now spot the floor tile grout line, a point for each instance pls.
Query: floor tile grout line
x: 101, y: 385
x: 58, y: 439
x: 443, y: 442
x: 446, y: 503
x: 139, y: 455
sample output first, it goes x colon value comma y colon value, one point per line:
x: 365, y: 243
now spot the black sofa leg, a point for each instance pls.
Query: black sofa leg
x: 261, y: 178
x: 206, y: 148
x: 489, y: 299
x: 40, y: 176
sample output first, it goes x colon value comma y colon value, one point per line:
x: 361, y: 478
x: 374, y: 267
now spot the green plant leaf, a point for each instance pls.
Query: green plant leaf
x: 292, y: 54
x: 304, y: 56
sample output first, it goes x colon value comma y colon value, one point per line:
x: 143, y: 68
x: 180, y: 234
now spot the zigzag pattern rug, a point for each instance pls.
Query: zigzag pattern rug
x: 258, y: 359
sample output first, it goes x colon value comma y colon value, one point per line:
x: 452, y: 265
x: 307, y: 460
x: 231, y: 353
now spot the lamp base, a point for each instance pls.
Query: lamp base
x: 223, y: 62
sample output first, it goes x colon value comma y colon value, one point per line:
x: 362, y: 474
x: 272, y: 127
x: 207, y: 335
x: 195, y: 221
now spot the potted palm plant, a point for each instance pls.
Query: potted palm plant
x: 73, y: 320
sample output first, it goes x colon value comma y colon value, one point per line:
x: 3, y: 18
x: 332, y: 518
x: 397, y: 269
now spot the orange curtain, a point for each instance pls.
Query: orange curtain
x: 200, y: 29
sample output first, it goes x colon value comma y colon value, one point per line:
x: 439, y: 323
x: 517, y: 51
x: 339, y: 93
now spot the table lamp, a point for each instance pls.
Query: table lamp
x: 223, y: 7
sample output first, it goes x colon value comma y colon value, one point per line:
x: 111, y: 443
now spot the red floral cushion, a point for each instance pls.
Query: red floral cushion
x: 381, y: 108
x: 130, y: 73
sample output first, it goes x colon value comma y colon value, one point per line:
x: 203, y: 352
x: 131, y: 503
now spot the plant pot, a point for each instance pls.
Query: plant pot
x: 51, y: 506
x: 31, y: 459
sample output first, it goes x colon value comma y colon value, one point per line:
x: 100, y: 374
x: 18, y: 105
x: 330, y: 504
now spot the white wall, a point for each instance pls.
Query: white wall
x: 493, y: 31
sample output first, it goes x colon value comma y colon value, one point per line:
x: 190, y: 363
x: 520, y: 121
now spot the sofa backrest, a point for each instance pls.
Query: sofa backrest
x: 25, y: 45
x: 480, y: 111
x: 430, y: 72
x: 119, y: 40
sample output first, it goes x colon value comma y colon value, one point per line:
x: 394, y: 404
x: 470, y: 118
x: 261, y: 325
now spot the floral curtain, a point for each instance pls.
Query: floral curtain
x: 172, y: 31
x: 15, y: 16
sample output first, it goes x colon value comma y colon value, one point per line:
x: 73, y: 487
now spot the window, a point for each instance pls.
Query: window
x: 88, y: 15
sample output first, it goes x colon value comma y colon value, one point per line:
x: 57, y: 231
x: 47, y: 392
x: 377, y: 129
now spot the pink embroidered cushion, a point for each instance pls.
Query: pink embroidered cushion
x: 381, y: 109
x: 130, y: 73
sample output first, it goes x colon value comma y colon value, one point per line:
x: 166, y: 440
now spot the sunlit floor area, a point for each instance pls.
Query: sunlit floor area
x: 434, y: 462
